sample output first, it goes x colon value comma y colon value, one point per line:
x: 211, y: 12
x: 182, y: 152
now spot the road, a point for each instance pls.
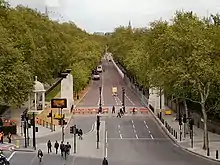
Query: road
x: 131, y: 140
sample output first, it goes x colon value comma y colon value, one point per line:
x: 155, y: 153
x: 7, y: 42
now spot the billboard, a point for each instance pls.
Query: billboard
x: 58, y: 103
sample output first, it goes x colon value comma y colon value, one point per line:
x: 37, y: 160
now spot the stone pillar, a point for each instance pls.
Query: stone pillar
x: 35, y: 101
x: 43, y: 100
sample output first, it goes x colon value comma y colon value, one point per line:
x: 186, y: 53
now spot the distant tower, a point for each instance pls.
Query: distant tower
x: 129, y: 24
x: 46, y: 11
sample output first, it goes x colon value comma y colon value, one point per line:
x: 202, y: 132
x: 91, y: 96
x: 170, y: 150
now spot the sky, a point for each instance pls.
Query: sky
x: 105, y: 15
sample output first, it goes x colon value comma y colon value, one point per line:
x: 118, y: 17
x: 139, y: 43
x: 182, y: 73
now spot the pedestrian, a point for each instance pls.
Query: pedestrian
x: 121, y: 111
x: 9, y: 137
x: 49, y: 145
x: 61, y: 148
x: 2, y: 137
x: 68, y: 148
x: 56, y: 146
x: 80, y: 134
x: 133, y: 111
x: 119, y: 115
x: 105, y: 161
x: 113, y: 109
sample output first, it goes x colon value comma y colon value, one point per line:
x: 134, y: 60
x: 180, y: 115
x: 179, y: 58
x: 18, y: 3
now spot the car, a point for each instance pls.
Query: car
x: 96, y: 76
x: 99, y: 68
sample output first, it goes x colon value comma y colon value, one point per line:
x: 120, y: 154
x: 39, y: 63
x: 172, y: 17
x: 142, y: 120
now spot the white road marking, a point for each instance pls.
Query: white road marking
x: 151, y: 136
x: 119, y: 126
x: 119, y: 131
x: 146, y: 126
x: 136, y: 136
x: 9, y: 158
x: 149, y: 132
x: 134, y: 130
x: 132, y: 121
x: 120, y: 136
x: 129, y: 100
x: 119, y: 101
x: 145, y: 122
x: 106, y: 142
x: 133, y: 126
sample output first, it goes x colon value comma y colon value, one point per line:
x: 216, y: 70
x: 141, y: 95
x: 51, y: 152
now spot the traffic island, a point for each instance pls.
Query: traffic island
x: 88, y: 146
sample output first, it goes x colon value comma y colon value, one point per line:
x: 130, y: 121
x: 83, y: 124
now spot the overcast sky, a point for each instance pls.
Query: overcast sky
x: 105, y: 15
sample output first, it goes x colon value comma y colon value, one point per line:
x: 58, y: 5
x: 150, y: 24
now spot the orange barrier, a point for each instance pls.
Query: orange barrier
x: 105, y: 110
x: 130, y: 110
x: 89, y: 110
x: 143, y: 110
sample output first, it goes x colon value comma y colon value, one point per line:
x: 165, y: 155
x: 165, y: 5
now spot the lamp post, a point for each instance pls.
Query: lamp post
x: 100, y: 100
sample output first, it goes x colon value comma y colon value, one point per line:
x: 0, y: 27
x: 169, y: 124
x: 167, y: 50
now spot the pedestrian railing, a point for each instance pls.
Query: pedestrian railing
x: 45, y: 124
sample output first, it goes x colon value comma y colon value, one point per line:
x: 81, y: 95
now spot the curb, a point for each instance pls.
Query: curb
x: 24, y: 150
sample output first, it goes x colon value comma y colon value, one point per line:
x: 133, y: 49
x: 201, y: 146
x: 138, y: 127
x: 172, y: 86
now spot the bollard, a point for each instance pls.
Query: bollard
x: 54, y: 127
x: 216, y: 154
x: 208, y: 152
x: 165, y: 124
x: 46, y: 124
x: 43, y: 123
x: 176, y: 135
x: 174, y: 132
x: 17, y: 144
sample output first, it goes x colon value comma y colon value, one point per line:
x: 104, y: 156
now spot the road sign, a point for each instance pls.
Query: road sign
x: 59, y: 103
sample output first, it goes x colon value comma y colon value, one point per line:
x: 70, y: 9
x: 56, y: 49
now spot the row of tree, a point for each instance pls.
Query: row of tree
x: 33, y: 45
x: 181, y: 56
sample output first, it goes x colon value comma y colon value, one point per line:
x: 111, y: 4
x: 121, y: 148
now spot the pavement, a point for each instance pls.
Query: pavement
x: 185, y: 142
x: 133, y: 139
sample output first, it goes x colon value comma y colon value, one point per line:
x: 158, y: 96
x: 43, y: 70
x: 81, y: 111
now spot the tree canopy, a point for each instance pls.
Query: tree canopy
x: 180, y: 56
x: 33, y: 45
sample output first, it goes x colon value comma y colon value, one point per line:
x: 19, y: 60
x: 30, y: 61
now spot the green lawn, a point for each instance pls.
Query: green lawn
x: 52, y: 94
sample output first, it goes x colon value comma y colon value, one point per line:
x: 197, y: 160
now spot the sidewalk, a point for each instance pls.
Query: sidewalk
x: 85, y: 147
x: 171, y: 127
x: 15, y: 114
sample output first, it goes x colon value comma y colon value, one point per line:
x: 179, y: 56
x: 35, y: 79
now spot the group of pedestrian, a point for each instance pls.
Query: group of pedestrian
x: 80, y: 133
x: 64, y: 148
x: 121, y: 111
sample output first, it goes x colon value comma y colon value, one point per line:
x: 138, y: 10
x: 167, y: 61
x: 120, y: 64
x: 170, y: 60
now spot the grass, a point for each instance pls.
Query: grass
x: 52, y: 94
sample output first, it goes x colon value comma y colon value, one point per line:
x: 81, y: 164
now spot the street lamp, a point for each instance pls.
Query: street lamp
x: 97, y: 127
x: 100, y: 100
x: 123, y: 99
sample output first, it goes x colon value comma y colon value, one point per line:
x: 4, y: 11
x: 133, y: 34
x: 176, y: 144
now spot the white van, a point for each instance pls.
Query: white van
x: 99, y: 68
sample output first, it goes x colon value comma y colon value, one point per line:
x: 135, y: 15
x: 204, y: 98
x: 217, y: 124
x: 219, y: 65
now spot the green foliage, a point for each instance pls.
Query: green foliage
x: 182, y: 57
x: 33, y: 45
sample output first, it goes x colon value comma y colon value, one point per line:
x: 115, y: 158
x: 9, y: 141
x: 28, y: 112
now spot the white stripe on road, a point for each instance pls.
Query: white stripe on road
x: 133, y: 126
x: 151, y: 136
x: 136, y: 136
x: 132, y: 121
x: 120, y: 136
x: 129, y: 100
x: 134, y: 130
x: 10, y: 157
x: 106, y: 143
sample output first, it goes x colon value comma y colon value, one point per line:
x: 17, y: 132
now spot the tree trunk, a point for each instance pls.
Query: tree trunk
x: 206, y: 140
x: 187, y: 116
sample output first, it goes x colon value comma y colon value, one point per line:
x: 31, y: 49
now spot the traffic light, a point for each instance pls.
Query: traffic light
x: 22, y: 117
x: 62, y: 120
x: 50, y: 114
x: 184, y: 118
x: 71, y: 129
x: 191, y: 123
x: 180, y: 120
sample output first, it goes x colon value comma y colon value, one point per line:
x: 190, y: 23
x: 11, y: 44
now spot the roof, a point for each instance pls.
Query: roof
x: 38, y: 86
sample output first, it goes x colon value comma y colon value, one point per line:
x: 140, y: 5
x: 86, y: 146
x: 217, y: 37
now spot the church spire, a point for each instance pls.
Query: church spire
x: 129, y: 24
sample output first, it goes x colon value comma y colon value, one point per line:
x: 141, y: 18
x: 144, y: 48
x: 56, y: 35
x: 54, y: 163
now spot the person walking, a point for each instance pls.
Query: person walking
x: 49, y: 145
x: 105, y: 161
x: 113, y: 109
x: 56, y: 146
x: 62, y: 148
x: 9, y: 137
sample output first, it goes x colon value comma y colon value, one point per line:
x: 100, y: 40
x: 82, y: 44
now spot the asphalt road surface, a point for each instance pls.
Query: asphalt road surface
x: 131, y: 140
x: 109, y: 78
x: 139, y: 141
